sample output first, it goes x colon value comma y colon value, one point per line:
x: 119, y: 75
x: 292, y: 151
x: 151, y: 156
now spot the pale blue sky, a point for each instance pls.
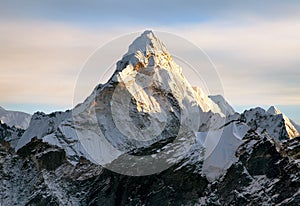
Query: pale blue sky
x: 255, y: 46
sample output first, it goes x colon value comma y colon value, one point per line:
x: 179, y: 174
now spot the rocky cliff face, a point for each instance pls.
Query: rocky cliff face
x: 10, y: 135
x: 147, y: 137
x: 265, y: 171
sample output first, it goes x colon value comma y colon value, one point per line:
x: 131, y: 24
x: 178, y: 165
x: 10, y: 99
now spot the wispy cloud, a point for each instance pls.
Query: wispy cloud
x: 258, y: 63
x: 40, y: 61
x: 256, y: 50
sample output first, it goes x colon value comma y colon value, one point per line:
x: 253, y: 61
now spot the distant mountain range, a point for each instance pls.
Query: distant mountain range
x: 15, y: 118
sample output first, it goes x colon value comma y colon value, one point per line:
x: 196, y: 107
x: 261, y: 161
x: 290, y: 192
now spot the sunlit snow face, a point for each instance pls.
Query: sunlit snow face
x: 144, y: 119
x: 141, y: 110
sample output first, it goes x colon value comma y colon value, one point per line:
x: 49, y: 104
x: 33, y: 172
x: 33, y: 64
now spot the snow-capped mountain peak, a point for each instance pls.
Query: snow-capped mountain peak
x: 225, y: 107
x: 147, y: 42
x: 273, y: 121
x: 274, y: 110
x: 293, y: 129
x: 147, y: 99
x: 148, y: 110
x: 146, y: 51
x: 15, y: 118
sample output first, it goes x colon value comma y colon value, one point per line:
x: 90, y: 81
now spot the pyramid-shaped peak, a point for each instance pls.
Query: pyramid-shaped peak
x: 274, y: 110
x: 148, y: 33
x: 147, y: 42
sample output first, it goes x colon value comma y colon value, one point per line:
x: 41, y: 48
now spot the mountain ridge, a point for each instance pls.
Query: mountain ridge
x: 147, y: 137
x: 15, y: 118
x: 150, y: 62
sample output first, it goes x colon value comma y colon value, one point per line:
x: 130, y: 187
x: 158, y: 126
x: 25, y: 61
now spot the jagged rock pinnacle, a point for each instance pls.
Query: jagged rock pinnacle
x: 147, y: 42
x: 273, y: 110
x: 146, y: 51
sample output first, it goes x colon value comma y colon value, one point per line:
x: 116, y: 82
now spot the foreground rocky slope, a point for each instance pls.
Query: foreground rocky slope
x: 39, y: 174
x: 161, y: 142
